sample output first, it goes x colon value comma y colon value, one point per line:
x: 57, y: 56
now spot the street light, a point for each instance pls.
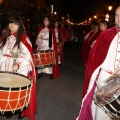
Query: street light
x: 110, y: 8
x: 55, y: 13
x: 90, y: 19
x: 95, y: 16
x: 110, y: 15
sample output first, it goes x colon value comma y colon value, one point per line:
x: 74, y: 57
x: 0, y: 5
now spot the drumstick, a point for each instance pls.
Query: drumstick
x: 98, y: 87
x: 97, y: 80
x: 111, y: 75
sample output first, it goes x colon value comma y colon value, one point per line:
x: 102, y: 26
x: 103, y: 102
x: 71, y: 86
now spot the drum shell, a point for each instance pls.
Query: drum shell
x: 43, y: 59
x: 14, y: 100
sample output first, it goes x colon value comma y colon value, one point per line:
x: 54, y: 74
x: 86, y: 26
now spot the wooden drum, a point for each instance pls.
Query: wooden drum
x: 43, y: 59
x: 15, y: 92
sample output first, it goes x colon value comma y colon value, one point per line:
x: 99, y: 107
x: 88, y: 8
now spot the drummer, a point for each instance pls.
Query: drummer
x: 103, y: 61
x: 45, y: 42
x: 16, y: 56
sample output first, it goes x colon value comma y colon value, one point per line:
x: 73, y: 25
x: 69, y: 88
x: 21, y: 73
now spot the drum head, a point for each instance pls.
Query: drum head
x: 13, y: 80
x: 108, y: 91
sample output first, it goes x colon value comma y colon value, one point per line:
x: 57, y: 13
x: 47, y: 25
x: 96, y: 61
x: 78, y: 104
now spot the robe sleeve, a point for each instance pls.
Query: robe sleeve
x: 23, y: 57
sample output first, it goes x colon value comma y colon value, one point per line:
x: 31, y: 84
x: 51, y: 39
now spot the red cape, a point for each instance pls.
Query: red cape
x: 31, y: 110
x: 94, y: 36
x: 98, y: 54
x: 83, y: 44
x: 62, y: 51
x: 86, y: 48
x: 55, y: 68
x: 66, y: 36
x: 82, y: 51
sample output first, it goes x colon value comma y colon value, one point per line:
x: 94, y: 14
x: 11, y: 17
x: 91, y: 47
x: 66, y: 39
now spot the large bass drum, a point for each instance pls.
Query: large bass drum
x: 15, y: 92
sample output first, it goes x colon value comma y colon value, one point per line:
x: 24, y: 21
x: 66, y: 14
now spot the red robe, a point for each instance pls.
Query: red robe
x: 98, y: 54
x: 55, y: 70
x: 89, y: 43
x: 84, y: 43
x: 86, y: 50
x: 62, y: 53
x: 31, y: 110
x: 66, y: 36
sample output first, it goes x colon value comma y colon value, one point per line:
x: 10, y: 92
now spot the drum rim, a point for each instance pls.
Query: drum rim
x: 16, y: 88
x: 110, y: 100
x: 44, y: 66
x: 8, y: 112
x: 107, y: 101
x: 43, y: 51
x: 115, y: 95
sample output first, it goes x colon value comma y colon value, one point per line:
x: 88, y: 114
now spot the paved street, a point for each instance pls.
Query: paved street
x: 60, y: 99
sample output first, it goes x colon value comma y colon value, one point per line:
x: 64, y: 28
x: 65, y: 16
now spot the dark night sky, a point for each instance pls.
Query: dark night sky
x: 77, y: 9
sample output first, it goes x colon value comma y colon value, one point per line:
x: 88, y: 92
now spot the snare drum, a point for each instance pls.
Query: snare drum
x: 15, y: 92
x: 43, y: 59
x: 108, y: 97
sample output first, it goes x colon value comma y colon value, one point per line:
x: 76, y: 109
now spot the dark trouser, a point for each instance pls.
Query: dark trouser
x: 66, y: 47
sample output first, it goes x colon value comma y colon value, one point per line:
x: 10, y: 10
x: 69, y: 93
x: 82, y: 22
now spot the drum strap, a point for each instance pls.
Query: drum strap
x: 50, y: 39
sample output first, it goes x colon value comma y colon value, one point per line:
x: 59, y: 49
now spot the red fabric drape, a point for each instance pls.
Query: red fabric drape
x: 98, y: 54
x: 87, y: 47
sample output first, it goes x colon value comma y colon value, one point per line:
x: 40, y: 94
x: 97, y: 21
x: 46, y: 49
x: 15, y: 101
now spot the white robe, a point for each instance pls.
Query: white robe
x: 6, y: 59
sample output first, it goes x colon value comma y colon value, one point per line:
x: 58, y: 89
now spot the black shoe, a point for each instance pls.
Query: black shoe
x: 19, y: 117
x: 59, y: 64
x: 40, y: 75
x: 9, y: 116
x: 51, y: 77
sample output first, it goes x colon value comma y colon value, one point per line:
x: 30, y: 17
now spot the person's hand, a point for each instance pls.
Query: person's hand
x: 15, y: 67
x: 92, y: 44
x: 39, y: 46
